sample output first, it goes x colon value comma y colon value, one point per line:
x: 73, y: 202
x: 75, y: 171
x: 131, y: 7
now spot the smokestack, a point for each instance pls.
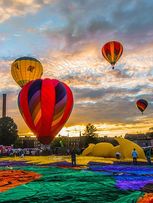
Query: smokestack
x: 4, y: 106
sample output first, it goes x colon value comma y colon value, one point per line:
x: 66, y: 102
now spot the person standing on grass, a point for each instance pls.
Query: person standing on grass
x: 148, y: 155
x: 73, y: 157
x: 134, y: 156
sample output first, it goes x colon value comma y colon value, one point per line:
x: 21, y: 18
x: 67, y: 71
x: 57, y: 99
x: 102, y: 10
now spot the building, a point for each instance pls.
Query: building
x: 142, y: 140
x: 28, y: 142
x: 65, y: 141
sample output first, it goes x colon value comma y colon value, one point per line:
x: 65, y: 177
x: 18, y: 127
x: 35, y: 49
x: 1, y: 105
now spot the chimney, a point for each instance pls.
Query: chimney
x: 4, y: 106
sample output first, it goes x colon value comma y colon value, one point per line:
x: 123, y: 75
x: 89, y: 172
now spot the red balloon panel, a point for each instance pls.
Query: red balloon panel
x: 45, y: 106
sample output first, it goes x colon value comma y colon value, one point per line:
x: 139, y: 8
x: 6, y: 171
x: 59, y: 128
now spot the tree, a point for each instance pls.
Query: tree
x: 59, y: 141
x: 90, y: 133
x: 149, y: 135
x: 58, y: 145
x: 8, y: 131
x: 90, y: 130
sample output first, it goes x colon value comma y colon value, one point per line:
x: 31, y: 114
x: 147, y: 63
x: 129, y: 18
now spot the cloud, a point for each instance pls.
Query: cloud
x: 67, y: 36
x: 12, y: 8
x: 118, y: 74
x: 129, y: 22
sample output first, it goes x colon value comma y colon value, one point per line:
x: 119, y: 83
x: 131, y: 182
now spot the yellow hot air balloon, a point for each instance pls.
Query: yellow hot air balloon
x: 25, y: 69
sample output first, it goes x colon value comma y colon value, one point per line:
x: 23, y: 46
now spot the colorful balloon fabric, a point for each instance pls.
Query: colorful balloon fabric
x: 142, y: 104
x: 147, y: 198
x: 45, y: 106
x: 13, y: 178
x: 25, y: 69
x: 112, y: 51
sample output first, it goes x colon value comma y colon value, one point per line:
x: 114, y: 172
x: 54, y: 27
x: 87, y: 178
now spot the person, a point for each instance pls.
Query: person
x: 67, y: 151
x: 134, y: 156
x: 118, y: 155
x: 73, y: 157
x: 22, y: 155
x: 148, y: 155
x: 9, y: 167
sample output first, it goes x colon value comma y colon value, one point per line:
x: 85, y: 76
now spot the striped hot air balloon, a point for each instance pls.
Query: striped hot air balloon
x: 112, y: 51
x: 25, y: 69
x: 45, y: 106
x: 142, y: 105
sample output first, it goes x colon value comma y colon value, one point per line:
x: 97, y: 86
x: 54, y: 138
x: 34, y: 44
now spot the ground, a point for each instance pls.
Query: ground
x: 93, y: 180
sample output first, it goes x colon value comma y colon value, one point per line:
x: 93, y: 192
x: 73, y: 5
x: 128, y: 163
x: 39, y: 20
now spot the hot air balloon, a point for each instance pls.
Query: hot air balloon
x: 112, y: 51
x: 45, y: 106
x: 142, y: 105
x: 25, y: 69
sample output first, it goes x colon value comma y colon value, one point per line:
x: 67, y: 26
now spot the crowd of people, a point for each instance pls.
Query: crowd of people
x: 10, y: 151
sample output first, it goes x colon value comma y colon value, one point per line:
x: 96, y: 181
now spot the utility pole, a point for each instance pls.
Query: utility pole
x: 4, y: 106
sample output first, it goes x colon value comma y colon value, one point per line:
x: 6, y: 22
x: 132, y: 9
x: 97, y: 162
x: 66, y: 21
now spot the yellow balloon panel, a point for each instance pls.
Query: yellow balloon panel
x: 103, y: 150
x: 88, y: 150
x: 25, y: 69
x: 115, y: 149
x: 126, y: 147
x: 107, y: 150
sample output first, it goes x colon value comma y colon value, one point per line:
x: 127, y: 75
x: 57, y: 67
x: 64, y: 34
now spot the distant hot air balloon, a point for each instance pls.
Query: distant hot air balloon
x: 141, y: 104
x: 25, y: 69
x: 45, y: 106
x: 112, y: 51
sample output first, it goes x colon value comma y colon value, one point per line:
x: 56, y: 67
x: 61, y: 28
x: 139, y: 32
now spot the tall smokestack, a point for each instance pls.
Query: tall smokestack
x: 4, y: 106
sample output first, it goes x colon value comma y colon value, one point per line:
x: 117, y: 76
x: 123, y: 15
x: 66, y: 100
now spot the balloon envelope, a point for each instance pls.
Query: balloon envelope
x: 25, y: 69
x: 45, y: 106
x: 112, y: 51
x: 142, y: 104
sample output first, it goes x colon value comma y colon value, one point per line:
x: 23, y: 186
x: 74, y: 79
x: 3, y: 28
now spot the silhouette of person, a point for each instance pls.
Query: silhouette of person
x: 148, y: 155
x: 73, y: 157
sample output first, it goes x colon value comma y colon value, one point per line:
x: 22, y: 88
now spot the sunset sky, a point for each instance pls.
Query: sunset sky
x: 67, y: 36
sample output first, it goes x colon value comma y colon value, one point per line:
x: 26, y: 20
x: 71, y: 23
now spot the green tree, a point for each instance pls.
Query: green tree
x: 90, y: 133
x: 56, y: 142
x: 58, y: 145
x: 8, y: 131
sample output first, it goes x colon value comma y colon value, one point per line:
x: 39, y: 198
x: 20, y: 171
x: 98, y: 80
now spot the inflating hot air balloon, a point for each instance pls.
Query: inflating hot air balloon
x: 141, y: 105
x: 112, y: 51
x: 45, y: 106
x: 25, y: 69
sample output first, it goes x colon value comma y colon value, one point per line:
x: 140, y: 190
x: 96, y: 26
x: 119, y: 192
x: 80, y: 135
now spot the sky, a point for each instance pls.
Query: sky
x: 67, y: 36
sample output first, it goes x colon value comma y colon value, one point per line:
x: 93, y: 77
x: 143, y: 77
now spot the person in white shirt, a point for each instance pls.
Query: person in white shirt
x: 118, y: 155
